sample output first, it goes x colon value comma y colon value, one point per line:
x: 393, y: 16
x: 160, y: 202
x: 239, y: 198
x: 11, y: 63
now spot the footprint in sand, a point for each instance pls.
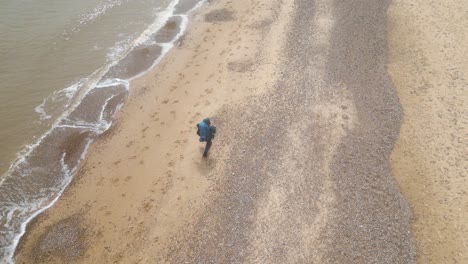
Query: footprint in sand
x: 142, y: 162
x: 115, y: 181
x: 117, y: 162
x: 128, y: 178
x: 100, y: 181
x: 148, y: 204
x: 175, y: 102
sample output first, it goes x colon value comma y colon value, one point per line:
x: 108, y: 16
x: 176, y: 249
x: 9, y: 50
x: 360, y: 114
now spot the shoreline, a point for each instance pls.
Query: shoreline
x: 77, y: 127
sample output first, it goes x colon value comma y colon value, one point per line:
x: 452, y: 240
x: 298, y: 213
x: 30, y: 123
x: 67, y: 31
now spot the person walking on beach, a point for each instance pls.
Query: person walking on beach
x: 207, y: 132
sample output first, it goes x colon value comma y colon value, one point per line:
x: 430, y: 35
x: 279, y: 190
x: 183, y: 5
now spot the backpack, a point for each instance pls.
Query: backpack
x: 205, y: 132
x: 212, y: 131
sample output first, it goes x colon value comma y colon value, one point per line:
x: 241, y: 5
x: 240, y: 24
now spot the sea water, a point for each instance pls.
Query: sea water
x: 65, y: 68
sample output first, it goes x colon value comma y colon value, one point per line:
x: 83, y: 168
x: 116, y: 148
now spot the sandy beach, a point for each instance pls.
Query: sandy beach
x: 145, y: 181
x: 430, y: 73
x: 308, y: 99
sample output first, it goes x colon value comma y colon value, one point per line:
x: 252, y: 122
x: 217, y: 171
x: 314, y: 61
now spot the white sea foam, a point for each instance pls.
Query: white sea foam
x: 198, y: 5
x: 92, y: 14
x: 119, y: 49
x: 113, y: 82
x: 42, y: 113
x: 60, y: 98
x: 160, y: 20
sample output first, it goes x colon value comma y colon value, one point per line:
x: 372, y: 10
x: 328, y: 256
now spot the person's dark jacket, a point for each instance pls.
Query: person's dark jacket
x: 205, y: 130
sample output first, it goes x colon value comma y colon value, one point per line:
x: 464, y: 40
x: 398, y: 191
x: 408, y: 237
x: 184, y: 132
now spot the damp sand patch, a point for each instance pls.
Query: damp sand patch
x: 219, y: 15
x: 63, y: 241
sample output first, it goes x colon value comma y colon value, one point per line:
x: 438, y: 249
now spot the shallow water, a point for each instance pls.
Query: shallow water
x: 65, y: 71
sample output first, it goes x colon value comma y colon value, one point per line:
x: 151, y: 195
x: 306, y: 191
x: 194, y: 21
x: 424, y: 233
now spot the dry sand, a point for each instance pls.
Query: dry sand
x: 429, y: 67
x: 299, y: 172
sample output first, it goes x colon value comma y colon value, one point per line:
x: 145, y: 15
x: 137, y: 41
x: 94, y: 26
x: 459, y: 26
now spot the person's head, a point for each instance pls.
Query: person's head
x: 207, y: 121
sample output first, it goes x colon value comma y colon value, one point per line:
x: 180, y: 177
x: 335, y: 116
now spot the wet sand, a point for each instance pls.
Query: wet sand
x: 307, y: 117
x: 428, y: 65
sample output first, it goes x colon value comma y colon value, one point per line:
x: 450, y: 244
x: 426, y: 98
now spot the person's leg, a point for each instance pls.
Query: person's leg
x: 207, y: 148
